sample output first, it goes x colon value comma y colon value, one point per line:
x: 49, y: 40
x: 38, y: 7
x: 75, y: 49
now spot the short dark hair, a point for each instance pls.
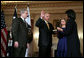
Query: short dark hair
x: 71, y: 14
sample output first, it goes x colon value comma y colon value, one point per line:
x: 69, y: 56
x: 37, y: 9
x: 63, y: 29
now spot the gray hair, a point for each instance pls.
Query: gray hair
x: 23, y: 10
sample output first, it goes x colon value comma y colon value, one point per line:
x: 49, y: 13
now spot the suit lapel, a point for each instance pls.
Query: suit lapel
x: 46, y: 25
x: 22, y: 22
x: 20, y: 19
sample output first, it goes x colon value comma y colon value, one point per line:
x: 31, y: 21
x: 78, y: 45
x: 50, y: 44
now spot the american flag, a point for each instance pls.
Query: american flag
x: 28, y: 19
x: 4, y: 34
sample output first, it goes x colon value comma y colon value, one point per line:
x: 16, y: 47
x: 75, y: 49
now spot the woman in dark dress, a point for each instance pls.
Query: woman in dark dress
x: 62, y: 43
x: 73, y: 43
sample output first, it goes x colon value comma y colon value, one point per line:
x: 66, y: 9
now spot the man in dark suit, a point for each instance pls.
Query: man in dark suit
x: 45, y: 35
x: 20, y: 34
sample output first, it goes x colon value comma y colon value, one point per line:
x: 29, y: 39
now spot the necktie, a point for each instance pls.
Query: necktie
x: 47, y: 24
x: 25, y: 22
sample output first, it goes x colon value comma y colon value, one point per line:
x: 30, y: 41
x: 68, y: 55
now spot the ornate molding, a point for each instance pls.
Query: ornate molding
x: 49, y: 6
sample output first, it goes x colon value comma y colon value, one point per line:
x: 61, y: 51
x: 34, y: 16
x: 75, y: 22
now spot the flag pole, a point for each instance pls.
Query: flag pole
x: 28, y: 5
x: 16, y: 7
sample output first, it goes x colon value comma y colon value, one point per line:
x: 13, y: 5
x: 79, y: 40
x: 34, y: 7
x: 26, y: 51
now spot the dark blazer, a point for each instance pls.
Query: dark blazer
x: 73, y: 43
x: 45, y: 34
x: 20, y: 32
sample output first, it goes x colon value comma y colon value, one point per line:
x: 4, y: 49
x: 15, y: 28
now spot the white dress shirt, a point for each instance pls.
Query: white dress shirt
x: 22, y: 18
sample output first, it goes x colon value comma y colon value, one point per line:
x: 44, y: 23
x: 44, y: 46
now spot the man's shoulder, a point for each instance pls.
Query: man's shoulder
x: 17, y: 20
x: 40, y: 20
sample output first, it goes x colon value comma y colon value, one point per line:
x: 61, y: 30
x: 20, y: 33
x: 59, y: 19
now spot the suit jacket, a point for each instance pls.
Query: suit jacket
x: 20, y: 32
x: 73, y: 43
x: 45, y: 34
